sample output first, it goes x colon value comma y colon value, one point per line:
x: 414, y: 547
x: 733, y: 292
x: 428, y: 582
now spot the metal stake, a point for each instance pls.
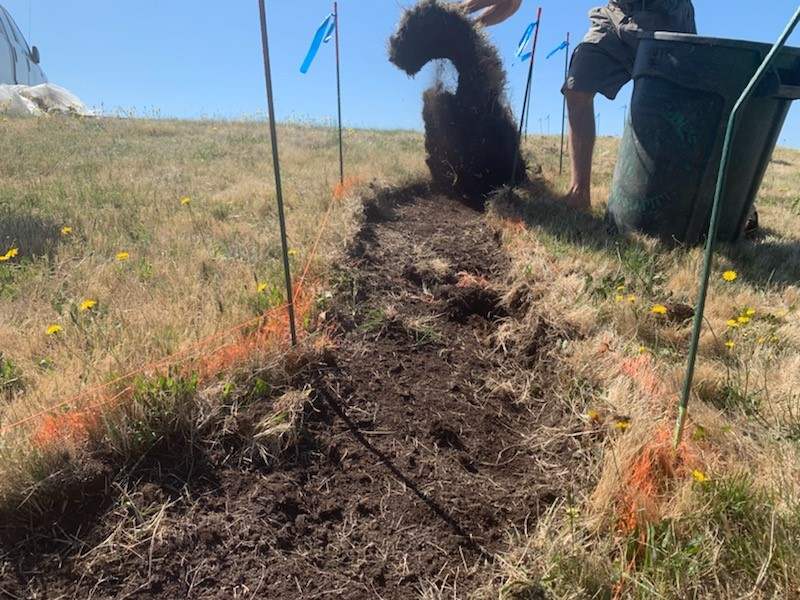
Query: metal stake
x: 564, y: 110
x: 715, y: 216
x: 277, y: 169
x: 528, y: 91
x: 339, y: 93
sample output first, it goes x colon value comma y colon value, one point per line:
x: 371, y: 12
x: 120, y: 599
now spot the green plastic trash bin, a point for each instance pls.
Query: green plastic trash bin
x: 685, y: 87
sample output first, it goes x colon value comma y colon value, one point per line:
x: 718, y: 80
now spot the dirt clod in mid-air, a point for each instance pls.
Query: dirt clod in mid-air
x: 470, y: 136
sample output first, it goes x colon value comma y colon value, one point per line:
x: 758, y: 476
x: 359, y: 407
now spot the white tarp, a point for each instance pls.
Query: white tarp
x: 38, y: 100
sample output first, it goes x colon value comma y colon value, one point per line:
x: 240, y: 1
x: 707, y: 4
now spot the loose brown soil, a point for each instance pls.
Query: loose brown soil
x: 410, y: 472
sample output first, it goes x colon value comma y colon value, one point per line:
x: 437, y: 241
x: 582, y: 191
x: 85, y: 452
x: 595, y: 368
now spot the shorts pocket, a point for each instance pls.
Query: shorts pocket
x: 641, y: 21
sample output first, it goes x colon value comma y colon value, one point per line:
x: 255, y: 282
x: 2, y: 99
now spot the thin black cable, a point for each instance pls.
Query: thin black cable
x: 277, y: 169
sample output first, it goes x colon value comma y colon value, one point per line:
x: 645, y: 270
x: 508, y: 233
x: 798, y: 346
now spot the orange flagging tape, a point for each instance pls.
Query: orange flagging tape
x: 168, y: 361
x: 314, y: 247
x: 272, y: 330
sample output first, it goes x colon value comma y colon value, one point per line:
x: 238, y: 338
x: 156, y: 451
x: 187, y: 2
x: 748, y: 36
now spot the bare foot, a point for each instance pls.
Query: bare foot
x: 578, y: 199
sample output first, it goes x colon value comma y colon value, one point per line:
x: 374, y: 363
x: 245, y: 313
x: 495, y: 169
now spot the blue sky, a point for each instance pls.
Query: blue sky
x: 202, y: 58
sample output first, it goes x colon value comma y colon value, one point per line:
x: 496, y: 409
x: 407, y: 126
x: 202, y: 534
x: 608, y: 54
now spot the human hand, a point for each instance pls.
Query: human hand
x: 494, y: 11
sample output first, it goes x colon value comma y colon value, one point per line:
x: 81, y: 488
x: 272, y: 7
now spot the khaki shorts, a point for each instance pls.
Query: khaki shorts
x: 603, y: 61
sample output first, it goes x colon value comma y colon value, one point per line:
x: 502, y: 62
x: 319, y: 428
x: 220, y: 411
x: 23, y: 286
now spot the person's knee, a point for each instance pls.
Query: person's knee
x: 577, y: 100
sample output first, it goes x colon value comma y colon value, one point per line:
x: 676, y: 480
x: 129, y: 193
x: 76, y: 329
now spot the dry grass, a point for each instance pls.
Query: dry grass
x: 638, y: 523
x: 717, y: 517
x: 192, y: 207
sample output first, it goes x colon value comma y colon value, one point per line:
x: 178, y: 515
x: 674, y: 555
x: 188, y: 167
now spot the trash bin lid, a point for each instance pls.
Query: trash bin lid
x: 668, y: 36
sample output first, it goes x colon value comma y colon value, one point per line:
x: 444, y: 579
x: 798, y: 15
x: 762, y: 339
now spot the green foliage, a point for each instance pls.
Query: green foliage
x: 740, y: 537
x: 423, y: 334
x: 221, y: 212
x: 259, y: 390
x: 161, y: 408
x: 732, y: 398
x: 605, y: 287
x: 271, y: 297
x: 10, y: 377
x: 374, y: 321
x: 642, y: 266
x: 729, y: 538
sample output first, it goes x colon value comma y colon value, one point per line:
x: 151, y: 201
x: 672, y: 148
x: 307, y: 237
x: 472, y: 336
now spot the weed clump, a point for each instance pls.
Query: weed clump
x: 470, y: 136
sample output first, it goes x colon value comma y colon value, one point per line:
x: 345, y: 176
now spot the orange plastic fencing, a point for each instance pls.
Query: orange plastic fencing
x: 230, y: 346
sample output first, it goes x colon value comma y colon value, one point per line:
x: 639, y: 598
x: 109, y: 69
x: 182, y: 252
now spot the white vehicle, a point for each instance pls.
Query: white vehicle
x: 19, y: 65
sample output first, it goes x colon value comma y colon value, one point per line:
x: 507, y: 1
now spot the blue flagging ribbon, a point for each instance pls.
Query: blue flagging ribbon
x: 322, y: 36
x: 560, y: 47
x: 523, y: 43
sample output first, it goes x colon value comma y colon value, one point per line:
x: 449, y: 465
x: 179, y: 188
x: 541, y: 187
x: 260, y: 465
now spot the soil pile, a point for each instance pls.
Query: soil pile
x: 470, y: 136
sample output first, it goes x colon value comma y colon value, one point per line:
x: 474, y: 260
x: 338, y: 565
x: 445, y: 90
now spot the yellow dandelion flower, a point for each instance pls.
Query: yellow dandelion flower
x: 644, y: 350
x: 292, y: 252
x: 54, y: 330
x: 733, y: 323
x: 730, y: 344
x: 750, y: 312
x: 186, y: 201
x: 66, y: 230
x: 699, y: 476
x: 631, y: 298
x: 743, y: 320
x: 87, y: 305
x: 12, y: 252
x: 123, y: 256
x: 621, y: 288
x: 262, y: 287
x: 593, y: 415
x: 619, y: 298
x: 659, y: 309
x: 761, y: 341
x: 730, y: 276
x: 622, y: 424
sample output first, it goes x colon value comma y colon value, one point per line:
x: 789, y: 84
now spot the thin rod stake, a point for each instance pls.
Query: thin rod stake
x: 528, y: 94
x: 277, y: 168
x: 713, y: 225
x: 339, y: 93
x: 564, y: 110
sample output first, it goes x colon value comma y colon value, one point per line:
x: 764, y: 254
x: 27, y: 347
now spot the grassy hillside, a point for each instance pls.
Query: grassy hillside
x: 719, y: 517
x: 126, y: 241
x: 135, y: 238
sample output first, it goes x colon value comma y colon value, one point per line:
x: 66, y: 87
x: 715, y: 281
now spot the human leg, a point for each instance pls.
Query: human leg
x: 582, y: 136
x: 593, y: 69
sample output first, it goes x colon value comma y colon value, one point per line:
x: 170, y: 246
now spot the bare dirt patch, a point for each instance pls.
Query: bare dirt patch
x: 409, y: 472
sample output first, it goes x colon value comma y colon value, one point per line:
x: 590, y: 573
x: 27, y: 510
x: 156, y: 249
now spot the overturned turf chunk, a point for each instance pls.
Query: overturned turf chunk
x: 470, y: 136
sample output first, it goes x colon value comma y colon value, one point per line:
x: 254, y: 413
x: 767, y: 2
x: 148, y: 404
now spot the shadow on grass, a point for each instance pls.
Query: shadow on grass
x: 33, y: 235
x: 539, y: 206
x: 767, y: 260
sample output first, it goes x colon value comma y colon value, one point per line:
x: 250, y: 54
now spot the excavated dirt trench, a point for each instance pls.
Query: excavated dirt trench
x: 411, y: 472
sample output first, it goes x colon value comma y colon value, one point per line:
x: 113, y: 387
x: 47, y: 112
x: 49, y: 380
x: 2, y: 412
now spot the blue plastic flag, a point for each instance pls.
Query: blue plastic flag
x: 523, y: 43
x: 322, y: 36
x: 560, y: 47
